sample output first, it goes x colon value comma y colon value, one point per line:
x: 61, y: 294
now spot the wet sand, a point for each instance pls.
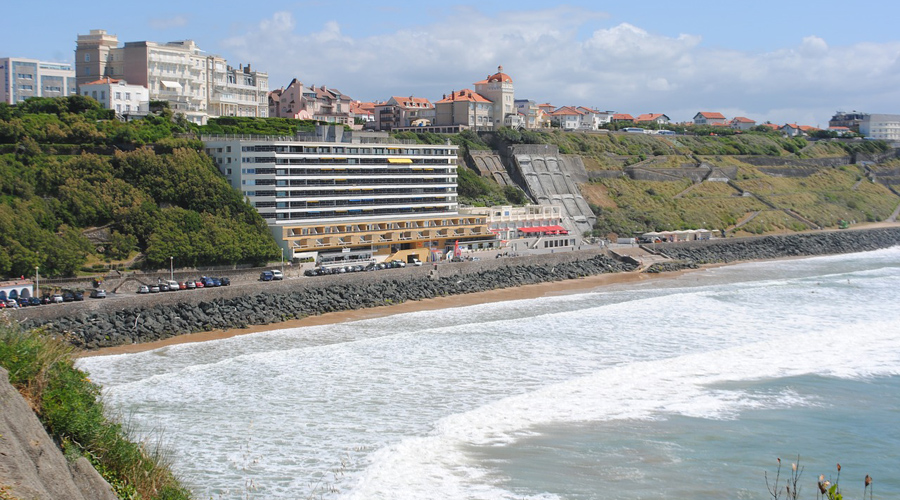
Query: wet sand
x: 500, y: 295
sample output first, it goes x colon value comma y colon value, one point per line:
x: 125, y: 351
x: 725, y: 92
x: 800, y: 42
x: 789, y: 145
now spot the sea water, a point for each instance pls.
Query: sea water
x: 688, y: 388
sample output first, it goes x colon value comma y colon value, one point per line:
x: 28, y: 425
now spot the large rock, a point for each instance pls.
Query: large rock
x: 32, y: 466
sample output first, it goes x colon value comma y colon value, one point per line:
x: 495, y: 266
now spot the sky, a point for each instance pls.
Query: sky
x: 778, y: 61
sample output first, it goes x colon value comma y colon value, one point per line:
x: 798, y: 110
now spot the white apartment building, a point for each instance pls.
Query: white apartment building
x: 335, y: 192
x: 880, y: 126
x: 194, y: 83
x: 125, y: 99
x: 22, y: 78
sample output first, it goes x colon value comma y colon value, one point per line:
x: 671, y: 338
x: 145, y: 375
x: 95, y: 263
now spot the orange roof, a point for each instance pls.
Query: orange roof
x: 567, y: 110
x: 412, y: 102
x: 711, y: 116
x: 792, y: 125
x: 772, y: 126
x: 648, y: 117
x: 587, y: 110
x: 741, y: 119
x: 499, y: 76
x: 464, y: 95
x: 807, y: 128
x: 103, y: 80
x: 622, y: 116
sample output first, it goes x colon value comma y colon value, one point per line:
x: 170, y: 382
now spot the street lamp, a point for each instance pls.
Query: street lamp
x: 172, y: 268
x: 37, y: 282
x: 282, y: 261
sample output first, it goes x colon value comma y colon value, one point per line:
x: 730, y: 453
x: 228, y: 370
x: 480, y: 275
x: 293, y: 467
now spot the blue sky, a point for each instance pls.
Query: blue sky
x: 767, y: 60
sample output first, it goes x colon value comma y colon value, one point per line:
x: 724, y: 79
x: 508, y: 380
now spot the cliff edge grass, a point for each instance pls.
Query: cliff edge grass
x: 41, y: 367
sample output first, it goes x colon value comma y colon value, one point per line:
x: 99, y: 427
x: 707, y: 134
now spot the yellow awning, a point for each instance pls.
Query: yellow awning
x: 399, y: 160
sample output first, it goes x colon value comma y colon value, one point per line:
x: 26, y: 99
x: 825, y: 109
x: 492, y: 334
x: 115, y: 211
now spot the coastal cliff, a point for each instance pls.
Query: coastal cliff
x: 111, y: 324
x: 33, y: 467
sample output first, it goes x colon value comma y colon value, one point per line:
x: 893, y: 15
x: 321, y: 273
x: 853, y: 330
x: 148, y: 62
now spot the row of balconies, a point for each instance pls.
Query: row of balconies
x: 371, y: 183
x: 344, y: 215
x: 313, y: 242
x: 367, y: 202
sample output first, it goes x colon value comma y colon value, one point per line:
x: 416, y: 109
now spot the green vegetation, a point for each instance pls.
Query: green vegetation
x: 65, y: 167
x: 276, y: 127
x: 68, y: 404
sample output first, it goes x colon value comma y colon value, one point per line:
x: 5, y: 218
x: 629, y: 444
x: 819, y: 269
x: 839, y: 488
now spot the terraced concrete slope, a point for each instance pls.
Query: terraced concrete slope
x: 552, y: 178
x: 489, y: 164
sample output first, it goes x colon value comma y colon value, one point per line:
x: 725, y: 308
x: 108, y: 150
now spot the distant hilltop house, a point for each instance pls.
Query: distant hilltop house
x: 312, y: 103
x: 851, y: 120
x: 709, y: 118
x: 193, y: 83
x: 794, y: 130
x: 127, y: 100
x: 402, y: 112
x: 652, y: 119
x: 621, y: 117
x: 742, y: 123
x: 465, y: 107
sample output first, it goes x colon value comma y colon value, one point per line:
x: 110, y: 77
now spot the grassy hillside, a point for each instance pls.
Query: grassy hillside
x: 65, y: 166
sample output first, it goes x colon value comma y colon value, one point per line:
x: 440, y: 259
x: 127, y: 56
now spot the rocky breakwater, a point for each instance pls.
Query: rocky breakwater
x: 123, y: 322
x: 774, y: 247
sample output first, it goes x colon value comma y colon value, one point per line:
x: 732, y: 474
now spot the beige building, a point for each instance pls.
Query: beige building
x: 399, y: 112
x: 466, y: 108
x: 194, y: 83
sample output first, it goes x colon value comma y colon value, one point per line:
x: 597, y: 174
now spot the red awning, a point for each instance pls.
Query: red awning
x: 544, y: 229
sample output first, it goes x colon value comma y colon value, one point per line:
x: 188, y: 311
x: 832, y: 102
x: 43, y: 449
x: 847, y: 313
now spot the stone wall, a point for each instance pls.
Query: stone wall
x: 773, y: 247
x: 95, y: 324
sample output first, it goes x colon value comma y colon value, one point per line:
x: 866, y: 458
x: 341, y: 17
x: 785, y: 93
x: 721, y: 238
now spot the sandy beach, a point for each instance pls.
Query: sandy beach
x: 499, y: 295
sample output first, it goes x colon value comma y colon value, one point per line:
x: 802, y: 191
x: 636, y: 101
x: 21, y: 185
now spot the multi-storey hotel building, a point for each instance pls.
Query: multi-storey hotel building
x: 336, y: 195
x: 23, y: 78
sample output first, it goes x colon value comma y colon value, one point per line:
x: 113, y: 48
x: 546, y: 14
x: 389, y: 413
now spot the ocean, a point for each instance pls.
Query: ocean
x: 681, y: 388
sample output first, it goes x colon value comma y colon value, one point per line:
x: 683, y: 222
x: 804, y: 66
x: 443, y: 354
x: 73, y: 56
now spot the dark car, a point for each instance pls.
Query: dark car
x: 68, y: 297
x: 78, y: 296
x: 23, y: 301
x: 266, y: 276
x: 34, y: 301
x: 225, y: 281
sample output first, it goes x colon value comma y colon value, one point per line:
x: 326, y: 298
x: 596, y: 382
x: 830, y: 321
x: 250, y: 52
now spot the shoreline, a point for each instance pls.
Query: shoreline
x: 534, y: 291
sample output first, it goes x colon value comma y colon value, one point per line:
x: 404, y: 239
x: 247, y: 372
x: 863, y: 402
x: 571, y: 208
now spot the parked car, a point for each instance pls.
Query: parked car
x: 199, y: 284
x: 98, y: 293
x: 35, y: 301
x: 163, y: 287
x: 416, y: 262
x: 277, y: 275
x: 57, y: 298
x: 190, y: 284
x: 23, y: 301
x: 266, y: 276
x: 11, y: 303
x: 143, y: 289
x: 79, y: 296
x: 68, y: 297
x: 173, y: 285
x: 154, y: 289
x: 225, y: 281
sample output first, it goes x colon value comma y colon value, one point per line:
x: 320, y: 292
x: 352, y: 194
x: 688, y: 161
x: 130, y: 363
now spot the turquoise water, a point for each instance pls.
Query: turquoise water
x: 681, y: 388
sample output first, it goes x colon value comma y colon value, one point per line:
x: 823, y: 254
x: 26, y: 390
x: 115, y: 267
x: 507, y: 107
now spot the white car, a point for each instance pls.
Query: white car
x: 277, y: 275
x: 143, y: 289
x: 416, y: 262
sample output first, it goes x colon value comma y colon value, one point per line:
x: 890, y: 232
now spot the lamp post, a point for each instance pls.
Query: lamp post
x: 37, y: 282
x: 282, y: 261
x: 172, y: 268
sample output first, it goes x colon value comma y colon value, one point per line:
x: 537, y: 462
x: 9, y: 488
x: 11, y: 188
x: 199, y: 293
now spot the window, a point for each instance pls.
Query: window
x: 26, y: 87
x: 87, y: 58
x: 25, y: 76
x: 127, y: 96
x: 127, y: 108
x: 118, y: 108
x: 118, y: 96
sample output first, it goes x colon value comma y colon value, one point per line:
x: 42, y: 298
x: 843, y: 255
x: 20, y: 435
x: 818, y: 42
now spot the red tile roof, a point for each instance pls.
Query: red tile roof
x: 772, y: 126
x: 103, y: 80
x: 741, y: 119
x: 463, y: 95
x: 711, y: 115
x: 648, y: 117
x: 412, y: 102
x: 622, y: 116
x: 567, y: 110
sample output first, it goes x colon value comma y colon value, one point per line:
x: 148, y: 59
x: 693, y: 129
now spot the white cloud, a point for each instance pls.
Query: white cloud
x: 164, y: 23
x: 621, y: 67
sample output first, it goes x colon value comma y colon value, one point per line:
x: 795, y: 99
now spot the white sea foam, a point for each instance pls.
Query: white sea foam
x: 401, y: 399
